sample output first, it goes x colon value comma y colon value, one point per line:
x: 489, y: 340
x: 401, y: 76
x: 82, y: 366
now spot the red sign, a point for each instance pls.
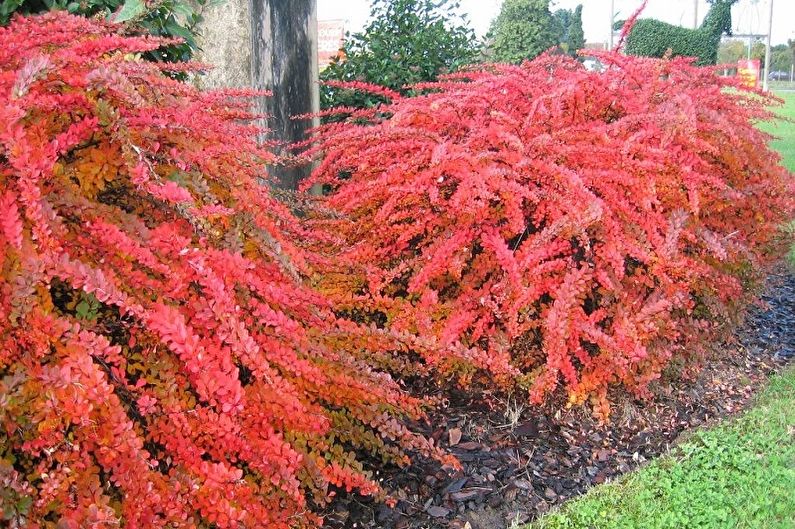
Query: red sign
x: 330, y: 37
x: 748, y: 71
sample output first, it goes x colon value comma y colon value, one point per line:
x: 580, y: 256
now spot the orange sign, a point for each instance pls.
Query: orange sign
x: 330, y: 37
x: 748, y: 72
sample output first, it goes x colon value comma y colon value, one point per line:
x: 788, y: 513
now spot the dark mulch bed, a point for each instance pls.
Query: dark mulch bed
x: 517, y: 466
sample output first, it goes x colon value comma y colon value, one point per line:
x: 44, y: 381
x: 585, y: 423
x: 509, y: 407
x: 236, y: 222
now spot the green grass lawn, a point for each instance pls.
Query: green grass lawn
x: 785, y: 144
x: 740, y: 474
x: 785, y: 131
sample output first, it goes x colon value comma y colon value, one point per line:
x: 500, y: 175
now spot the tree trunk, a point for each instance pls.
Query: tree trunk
x: 268, y: 45
x: 284, y: 62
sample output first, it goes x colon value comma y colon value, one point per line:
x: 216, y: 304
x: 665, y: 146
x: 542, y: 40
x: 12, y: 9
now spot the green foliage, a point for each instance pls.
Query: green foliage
x: 739, y: 474
x: 653, y: 38
x: 164, y: 18
x: 758, y: 51
x: 87, y: 307
x: 780, y: 58
x: 784, y: 130
x: 731, y: 51
x: 405, y: 42
x: 561, y: 20
x: 568, y: 28
x: 523, y: 30
x: 576, y: 34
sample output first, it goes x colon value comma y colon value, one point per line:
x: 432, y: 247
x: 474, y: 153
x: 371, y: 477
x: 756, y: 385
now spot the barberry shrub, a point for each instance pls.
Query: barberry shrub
x: 551, y: 226
x: 161, y: 362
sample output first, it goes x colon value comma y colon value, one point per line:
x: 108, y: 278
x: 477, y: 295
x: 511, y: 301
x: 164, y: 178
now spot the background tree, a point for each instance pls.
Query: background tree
x: 568, y: 27
x: 758, y: 51
x: 781, y: 58
x: 731, y: 51
x: 576, y: 33
x: 523, y: 30
x: 562, y: 20
x: 165, y: 18
x: 405, y: 42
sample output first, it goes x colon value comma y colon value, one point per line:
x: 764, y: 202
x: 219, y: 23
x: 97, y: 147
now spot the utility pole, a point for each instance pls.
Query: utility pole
x: 695, y: 14
x: 767, y: 48
x: 612, y: 14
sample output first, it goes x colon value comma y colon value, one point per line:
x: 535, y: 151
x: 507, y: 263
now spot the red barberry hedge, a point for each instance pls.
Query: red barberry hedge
x: 161, y: 362
x: 552, y: 225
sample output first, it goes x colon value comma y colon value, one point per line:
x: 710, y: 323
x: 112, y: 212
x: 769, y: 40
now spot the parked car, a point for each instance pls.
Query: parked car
x: 593, y: 65
x: 779, y: 76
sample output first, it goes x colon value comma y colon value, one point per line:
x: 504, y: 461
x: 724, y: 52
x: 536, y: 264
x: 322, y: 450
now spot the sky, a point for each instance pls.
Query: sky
x: 748, y: 16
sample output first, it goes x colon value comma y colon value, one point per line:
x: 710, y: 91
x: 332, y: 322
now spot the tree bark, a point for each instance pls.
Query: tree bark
x: 284, y: 62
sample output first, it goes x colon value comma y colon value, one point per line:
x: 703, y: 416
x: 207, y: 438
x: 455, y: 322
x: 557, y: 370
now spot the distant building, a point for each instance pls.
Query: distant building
x: 330, y: 38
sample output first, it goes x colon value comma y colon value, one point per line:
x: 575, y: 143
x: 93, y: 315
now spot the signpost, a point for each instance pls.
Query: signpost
x: 748, y: 71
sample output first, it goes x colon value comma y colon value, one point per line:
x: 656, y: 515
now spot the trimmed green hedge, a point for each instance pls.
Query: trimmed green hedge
x: 652, y: 38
